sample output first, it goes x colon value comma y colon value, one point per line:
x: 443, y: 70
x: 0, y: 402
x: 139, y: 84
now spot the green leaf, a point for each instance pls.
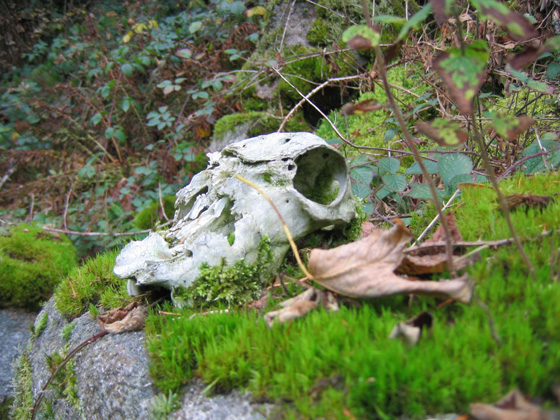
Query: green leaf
x: 389, y: 134
x: 389, y: 165
x: 430, y: 165
x: 184, y: 53
x: 454, y: 164
x: 127, y: 69
x: 444, y: 132
x: 96, y: 119
x: 120, y: 135
x: 361, y: 37
x: 195, y: 26
x: 463, y: 74
x: 395, y: 183
x: 422, y: 192
x: 415, y: 21
x: 125, y: 105
x: 390, y: 19
x: 109, y: 133
x: 360, y: 190
x: 518, y: 26
x: 363, y: 174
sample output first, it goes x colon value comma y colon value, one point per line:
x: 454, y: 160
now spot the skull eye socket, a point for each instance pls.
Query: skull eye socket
x: 185, y: 209
x: 321, y: 175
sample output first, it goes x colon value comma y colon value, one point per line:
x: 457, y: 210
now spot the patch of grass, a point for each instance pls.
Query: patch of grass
x: 92, y: 283
x: 40, y: 326
x: 32, y: 262
x: 458, y: 362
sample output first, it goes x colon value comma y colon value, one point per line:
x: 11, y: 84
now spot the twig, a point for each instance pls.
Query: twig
x: 313, y: 92
x: 433, y: 222
x: 526, y: 158
x: 286, y: 25
x: 73, y: 232
x: 488, y: 244
x: 381, y: 66
x: 11, y: 168
x: 501, y: 198
x: 76, y: 349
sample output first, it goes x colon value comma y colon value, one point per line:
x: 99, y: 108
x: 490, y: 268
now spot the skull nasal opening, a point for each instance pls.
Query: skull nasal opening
x: 321, y: 175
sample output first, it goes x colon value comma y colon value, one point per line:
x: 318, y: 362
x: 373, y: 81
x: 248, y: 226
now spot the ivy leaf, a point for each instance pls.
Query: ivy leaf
x: 509, y: 127
x: 362, y: 37
x: 415, y: 21
x: 463, y: 74
x: 518, y: 26
x: 363, y: 174
x: 443, y: 132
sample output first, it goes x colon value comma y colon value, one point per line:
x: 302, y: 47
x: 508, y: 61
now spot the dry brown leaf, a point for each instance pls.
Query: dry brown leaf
x: 365, y: 269
x: 412, y: 329
x: 515, y: 201
x: 514, y: 406
x: 296, y: 310
x: 128, y: 318
x: 433, y: 260
x: 301, y: 304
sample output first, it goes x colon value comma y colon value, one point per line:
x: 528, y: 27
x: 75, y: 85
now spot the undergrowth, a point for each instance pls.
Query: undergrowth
x: 460, y: 361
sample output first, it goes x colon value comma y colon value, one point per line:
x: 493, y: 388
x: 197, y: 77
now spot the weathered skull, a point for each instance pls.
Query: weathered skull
x: 218, y: 216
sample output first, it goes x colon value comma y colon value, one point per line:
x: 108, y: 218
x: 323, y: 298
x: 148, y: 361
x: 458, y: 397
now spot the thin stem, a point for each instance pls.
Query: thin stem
x: 501, y: 199
x: 410, y: 143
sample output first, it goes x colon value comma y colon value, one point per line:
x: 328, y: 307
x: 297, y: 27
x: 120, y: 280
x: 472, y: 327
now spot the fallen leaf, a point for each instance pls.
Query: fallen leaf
x: 514, y: 406
x: 128, y: 318
x: 301, y: 304
x: 433, y: 259
x: 296, y: 310
x: 412, y: 329
x: 360, y: 108
x: 365, y: 269
x: 515, y: 201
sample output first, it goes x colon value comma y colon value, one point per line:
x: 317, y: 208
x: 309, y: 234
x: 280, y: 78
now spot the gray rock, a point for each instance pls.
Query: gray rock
x: 14, y: 333
x: 112, y: 377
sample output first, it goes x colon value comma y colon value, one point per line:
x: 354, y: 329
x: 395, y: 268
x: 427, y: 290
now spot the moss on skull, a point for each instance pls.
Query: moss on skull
x: 223, y: 285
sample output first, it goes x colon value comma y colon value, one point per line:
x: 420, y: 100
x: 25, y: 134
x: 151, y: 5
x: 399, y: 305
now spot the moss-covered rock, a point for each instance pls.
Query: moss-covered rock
x: 93, y: 283
x: 32, y: 263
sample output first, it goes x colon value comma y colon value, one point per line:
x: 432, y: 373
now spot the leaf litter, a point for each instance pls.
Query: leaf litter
x: 366, y: 269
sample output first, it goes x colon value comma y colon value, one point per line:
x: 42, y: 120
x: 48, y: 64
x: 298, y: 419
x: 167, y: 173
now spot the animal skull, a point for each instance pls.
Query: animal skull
x: 306, y: 178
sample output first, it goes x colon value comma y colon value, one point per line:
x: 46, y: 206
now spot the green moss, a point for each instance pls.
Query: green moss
x: 377, y: 128
x: 41, y: 325
x: 368, y: 374
x: 23, y: 396
x: 92, y: 283
x: 66, y: 332
x: 258, y: 122
x: 152, y: 215
x: 65, y: 380
x: 223, y: 285
x: 32, y: 262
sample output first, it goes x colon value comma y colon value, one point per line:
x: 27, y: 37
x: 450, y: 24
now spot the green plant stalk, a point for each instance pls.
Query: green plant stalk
x: 501, y: 199
x: 381, y: 66
x: 410, y: 143
x: 286, y: 230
